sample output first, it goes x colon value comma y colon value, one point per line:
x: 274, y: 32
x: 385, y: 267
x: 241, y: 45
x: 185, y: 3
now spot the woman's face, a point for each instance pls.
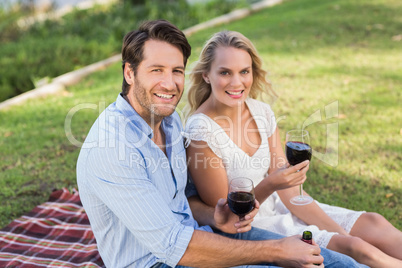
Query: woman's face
x: 230, y: 75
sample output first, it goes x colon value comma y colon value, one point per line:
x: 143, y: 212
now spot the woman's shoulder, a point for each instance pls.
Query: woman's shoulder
x: 262, y: 112
x: 259, y: 105
x: 200, y: 127
x: 199, y: 121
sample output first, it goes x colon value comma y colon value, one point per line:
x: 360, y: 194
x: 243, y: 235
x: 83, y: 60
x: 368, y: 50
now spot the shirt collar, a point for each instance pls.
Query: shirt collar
x: 129, y: 112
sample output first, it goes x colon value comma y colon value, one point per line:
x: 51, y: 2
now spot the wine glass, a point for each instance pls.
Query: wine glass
x: 297, y: 151
x: 241, y: 196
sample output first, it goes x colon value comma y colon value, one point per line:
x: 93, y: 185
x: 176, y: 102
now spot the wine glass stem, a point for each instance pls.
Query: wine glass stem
x: 301, y: 190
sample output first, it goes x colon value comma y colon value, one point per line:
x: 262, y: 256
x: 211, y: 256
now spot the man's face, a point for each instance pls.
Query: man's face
x: 157, y: 86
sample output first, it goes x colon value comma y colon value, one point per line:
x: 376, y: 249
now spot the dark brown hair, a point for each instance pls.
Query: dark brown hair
x: 161, y: 30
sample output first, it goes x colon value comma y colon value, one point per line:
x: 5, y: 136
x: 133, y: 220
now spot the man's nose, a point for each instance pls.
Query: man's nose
x: 168, y: 81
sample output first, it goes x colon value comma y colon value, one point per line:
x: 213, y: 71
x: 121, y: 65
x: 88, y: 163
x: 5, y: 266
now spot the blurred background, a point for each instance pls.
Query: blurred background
x: 344, y: 54
x: 42, y: 39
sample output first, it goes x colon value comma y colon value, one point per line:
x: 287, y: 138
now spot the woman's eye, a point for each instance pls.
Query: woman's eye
x: 224, y: 73
x: 245, y: 72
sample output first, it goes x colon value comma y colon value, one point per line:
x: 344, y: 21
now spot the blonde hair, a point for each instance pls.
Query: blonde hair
x: 199, y: 90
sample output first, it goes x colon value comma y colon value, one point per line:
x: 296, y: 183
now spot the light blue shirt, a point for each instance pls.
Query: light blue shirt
x: 134, y: 194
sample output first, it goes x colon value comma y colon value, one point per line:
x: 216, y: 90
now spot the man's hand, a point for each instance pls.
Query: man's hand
x: 228, y: 222
x: 297, y: 253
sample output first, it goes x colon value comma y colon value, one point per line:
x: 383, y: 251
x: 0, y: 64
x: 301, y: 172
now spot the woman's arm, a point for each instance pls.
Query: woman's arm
x: 311, y: 213
x: 207, y: 172
x: 280, y: 174
x: 210, y: 178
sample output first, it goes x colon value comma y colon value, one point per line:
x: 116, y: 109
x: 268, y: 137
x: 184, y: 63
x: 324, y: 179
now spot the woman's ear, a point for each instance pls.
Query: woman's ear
x: 128, y: 74
x: 206, y: 78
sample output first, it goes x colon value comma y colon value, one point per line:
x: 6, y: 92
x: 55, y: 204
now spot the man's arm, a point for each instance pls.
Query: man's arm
x: 207, y: 249
x: 212, y: 250
x: 194, y: 248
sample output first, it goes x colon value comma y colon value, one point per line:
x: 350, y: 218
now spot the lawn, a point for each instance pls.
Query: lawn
x: 336, y: 67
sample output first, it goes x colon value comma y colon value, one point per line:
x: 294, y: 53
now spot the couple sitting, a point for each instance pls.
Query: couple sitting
x: 132, y: 169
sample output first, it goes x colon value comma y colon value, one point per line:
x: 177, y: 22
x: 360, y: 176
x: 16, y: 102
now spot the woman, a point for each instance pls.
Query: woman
x: 231, y: 134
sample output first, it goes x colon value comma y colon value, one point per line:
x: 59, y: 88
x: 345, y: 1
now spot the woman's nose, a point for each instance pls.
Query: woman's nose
x: 236, y: 80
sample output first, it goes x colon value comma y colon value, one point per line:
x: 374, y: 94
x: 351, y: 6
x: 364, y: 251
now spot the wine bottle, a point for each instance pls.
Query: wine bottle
x: 307, y: 237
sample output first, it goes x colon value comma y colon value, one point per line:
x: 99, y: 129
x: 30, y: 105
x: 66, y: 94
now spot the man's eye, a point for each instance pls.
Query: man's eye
x: 179, y: 71
x: 156, y: 70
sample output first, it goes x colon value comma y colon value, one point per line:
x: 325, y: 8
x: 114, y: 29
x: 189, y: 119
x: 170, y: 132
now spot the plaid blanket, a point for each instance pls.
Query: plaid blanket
x: 54, y: 234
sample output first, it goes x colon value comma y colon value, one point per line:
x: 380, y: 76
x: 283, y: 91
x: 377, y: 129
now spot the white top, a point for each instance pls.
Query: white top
x: 273, y: 214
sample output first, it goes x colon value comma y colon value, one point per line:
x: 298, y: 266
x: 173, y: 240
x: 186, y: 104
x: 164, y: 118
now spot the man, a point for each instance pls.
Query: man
x: 132, y: 173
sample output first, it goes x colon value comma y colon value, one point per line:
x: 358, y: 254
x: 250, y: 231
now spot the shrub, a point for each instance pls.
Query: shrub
x: 53, y: 47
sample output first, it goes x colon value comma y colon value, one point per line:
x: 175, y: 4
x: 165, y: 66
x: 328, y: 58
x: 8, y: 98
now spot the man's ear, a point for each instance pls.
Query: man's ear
x: 128, y: 74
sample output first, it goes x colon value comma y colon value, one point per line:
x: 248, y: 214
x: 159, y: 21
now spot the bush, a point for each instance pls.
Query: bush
x: 82, y: 37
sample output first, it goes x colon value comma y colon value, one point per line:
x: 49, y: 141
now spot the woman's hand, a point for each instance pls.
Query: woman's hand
x: 228, y: 222
x: 287, y: 177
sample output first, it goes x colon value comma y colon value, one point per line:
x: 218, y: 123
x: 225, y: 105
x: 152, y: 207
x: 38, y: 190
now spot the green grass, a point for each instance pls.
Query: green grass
x: 317, y: 53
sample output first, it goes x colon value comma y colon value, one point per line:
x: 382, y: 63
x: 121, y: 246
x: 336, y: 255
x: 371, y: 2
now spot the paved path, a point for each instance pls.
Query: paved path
x: 61, y: 7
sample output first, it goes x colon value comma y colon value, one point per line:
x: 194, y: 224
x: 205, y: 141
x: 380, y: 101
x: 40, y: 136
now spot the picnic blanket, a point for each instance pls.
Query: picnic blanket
x: 54, y: 234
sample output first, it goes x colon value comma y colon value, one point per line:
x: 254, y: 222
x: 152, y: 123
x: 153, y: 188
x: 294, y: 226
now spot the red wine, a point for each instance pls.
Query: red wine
x: 240, y: 203
x: 297, y: 152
